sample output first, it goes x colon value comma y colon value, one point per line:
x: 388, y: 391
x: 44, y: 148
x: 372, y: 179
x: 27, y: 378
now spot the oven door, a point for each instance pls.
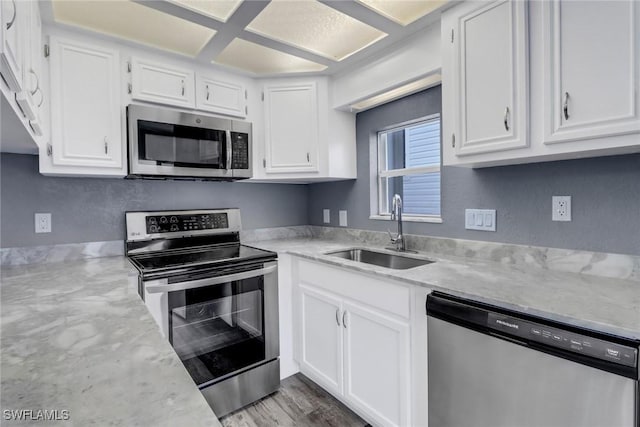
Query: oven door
x: 221, y: 325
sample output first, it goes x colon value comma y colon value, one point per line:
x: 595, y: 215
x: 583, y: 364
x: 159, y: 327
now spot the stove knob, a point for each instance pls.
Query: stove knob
x: 163, y: 220
x: 173, y: 220
x: 153, y: 229
x: 153, y: 220
x: 174, y: 227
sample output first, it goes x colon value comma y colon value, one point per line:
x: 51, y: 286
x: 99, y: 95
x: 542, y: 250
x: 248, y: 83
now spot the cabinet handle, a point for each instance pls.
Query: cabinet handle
x: 506, y: 119
x: 338, y: 316
x: 344, y: 319
x: 308, y: 158
x: 13, y: 18
x: 182, y: 87
x: 49, y: 150
x: 453, y: 140
x: 129, y: 88
x: 37, y: 82
x: 41, y: 98
x: 207, y: 92
x: 106, y: 145
x: 565, y: 106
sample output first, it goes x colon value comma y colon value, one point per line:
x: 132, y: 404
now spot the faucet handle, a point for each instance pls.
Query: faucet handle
x: 393, y: 239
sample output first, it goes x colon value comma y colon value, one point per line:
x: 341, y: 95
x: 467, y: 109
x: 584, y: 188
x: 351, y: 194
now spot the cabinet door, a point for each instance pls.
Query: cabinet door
x: 492, y: 77
x: 162, y: 83
x: 291, y: 128
x: 85, y: 105
x: 12, y: 17
x: 592, y: 79
x: 321, y: 338
x: 31, y: 97
x: 220, y: 97
x: 377, y: 365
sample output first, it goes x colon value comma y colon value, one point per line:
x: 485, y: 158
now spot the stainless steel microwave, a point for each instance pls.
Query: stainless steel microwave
x: 165, y: 143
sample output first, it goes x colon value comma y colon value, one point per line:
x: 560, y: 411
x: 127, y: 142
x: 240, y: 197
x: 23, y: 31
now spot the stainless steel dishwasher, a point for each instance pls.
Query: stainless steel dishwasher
x: 497, y: 368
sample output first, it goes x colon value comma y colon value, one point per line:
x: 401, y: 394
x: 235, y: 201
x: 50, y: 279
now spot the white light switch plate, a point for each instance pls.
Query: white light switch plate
x: 343, y: 218
x: 43, y: 222
x: 480, y: 219
x: 326, y: 216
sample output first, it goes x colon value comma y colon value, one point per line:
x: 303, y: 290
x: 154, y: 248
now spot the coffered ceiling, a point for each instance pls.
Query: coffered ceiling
x: 259, y: 37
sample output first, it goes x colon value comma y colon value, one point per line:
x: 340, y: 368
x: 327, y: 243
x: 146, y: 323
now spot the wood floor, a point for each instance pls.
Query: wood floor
x: 300, y: 403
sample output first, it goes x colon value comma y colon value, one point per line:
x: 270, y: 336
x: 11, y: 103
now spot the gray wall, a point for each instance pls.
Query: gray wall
x: 605, y: 194
x: 86, y: 210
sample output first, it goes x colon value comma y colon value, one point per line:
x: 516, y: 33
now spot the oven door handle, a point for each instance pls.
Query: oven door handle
x: 163, y: 286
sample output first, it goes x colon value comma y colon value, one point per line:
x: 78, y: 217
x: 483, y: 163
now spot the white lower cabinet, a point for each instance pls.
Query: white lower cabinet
x: 322, y: 343
x: 376, y: 364
x: 357, y: 349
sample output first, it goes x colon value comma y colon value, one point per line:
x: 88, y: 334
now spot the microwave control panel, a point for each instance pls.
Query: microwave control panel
x: 172, y: 223
x: 239, y: 150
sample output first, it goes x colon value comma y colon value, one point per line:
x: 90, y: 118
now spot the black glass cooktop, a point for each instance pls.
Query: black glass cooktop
x: 209, y: 256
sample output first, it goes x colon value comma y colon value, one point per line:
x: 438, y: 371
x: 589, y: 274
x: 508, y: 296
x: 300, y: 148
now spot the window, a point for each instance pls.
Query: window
x: 409, y: 165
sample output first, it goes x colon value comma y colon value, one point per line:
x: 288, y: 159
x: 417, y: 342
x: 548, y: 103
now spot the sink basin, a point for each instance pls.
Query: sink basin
x: 383, y: 259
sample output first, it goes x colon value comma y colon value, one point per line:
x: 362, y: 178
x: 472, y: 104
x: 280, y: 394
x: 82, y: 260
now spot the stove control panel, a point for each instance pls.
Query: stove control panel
x: 191, y: 222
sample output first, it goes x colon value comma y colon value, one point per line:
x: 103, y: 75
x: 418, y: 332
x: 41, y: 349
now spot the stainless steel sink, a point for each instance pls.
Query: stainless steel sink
x: 383, y: 259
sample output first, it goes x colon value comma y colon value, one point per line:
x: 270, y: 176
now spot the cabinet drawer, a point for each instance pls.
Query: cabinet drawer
x: 383, y: 294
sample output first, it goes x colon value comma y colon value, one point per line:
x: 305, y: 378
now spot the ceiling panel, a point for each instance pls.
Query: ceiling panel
x: 123, y: 18
x: 315, y: 27
x: 263, y: 60
x: 403, y: 12
x: 217, y: 9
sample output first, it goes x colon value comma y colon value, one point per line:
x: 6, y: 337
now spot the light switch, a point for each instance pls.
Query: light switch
x: 488, y: 220
x: 326, y: 216
x: 480, y: 219
x: 343, y: 218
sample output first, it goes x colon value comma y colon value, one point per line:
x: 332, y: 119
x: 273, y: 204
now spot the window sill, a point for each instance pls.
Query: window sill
x: 409, y: 218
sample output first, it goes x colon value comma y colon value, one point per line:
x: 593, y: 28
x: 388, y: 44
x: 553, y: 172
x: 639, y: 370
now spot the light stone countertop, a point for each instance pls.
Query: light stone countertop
x: 599, y: 303
x: 76, y: 336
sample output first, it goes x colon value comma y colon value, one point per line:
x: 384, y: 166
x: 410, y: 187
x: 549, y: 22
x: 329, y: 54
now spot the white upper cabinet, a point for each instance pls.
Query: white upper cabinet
x: 162, y: 83
x: 86, y: 125
x: 12, y: 31
x: 31, y: 97
x: 591, y: 78
x: 220, y: 97
x: 486, y: 83
x: 304, y: 138
x: 291, y: 127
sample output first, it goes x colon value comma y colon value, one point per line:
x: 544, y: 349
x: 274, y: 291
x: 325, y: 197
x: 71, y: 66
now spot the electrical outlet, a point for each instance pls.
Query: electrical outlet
x: 326, y: 216
x: 561, y: 208
x: 343, y: 218
x: 43, y: 223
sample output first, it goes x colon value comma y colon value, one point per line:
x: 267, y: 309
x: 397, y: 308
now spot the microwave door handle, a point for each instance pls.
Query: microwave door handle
x: 162, y: 285
x: 229, y: 148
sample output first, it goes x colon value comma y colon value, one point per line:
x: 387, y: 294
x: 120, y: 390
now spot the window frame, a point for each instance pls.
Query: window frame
x: 377, y: 173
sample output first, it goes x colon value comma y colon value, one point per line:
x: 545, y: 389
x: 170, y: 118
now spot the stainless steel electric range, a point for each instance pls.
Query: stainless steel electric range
x: 215, y: 300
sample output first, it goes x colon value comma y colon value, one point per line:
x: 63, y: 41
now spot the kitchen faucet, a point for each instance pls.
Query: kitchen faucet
x: 396, y: 214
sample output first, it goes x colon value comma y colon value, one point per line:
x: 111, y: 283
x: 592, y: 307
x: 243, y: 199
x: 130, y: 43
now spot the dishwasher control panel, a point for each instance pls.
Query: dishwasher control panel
x: 562, y: 339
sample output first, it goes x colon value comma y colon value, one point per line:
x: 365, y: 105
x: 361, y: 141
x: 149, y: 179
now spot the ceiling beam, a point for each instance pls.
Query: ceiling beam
x: 286, y: 48
x: 234, y: 27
